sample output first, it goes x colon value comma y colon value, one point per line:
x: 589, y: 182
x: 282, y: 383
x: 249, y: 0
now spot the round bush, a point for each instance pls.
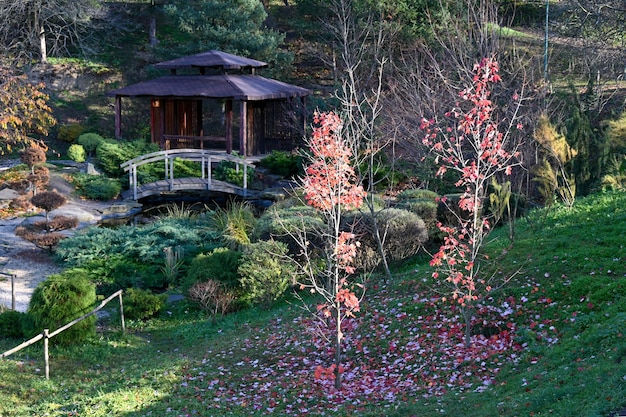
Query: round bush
x: 68, y: 133
x: 59, y: 300
x: 90, y: 141
x: 142, y: 304
x: 77, y: 153
x: 219, y: 265
x: 278, y: 223
x: 101, y: 188
x: 11, y: 324
x: 414, y: 193
x: 264, y: 275
x: 404, y: 232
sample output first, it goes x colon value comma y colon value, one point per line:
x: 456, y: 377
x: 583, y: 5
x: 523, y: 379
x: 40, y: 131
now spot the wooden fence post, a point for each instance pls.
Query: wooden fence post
x: 46, y: 357
x: 122, y: 313
x: 13, y: 292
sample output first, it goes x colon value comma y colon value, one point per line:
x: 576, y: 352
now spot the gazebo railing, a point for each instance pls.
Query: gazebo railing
x: 192, y: 142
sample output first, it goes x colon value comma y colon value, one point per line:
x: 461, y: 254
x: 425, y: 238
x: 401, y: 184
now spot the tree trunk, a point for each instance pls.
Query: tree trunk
x: 338, y: 347
x: 152, y: 33
x: 467, y: 317
x: 42, y: 46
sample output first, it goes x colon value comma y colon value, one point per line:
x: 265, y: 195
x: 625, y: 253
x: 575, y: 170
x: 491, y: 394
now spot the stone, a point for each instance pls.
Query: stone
x: 91, y: 169
x: 8, y: 194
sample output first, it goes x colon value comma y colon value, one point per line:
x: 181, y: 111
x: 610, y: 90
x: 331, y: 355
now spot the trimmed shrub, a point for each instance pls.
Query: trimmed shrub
x: 57, y: 301
x: 48, y: 201
x: 220, y: 265
x: 423, y: 203
x: 101, y: 188
x: 39, y: 177
x: 68, y: 133
x: 63, y: 223
x: 264, y: 275
x: 404, y: 232
x: 45, y: 241
x: 110, y: 154
x: 419, y: 193
x: 11, y: 324
x: 33, y: 155
x: 141, y: 304
x: 227, y: 171
x: 77, y: 153
x: 283, y: 163
x: 22, y: 203
x: 277, y: 223
x: 90, y: 142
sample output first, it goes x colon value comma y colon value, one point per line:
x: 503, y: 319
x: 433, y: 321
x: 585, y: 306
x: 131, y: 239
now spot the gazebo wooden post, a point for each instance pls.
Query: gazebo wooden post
x: 303, y: 114
x: 118, y: 117
x: 228, y: 113
x: 243, y: 124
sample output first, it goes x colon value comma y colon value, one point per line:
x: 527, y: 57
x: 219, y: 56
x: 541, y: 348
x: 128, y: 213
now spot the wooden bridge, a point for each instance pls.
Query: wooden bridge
x: 206, y: 158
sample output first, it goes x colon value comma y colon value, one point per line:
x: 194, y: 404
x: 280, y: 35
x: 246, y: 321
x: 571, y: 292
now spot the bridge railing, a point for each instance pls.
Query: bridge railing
x: 205, y: 157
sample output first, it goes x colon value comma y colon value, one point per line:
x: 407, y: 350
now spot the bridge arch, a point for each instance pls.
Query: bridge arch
x: 206, y: 158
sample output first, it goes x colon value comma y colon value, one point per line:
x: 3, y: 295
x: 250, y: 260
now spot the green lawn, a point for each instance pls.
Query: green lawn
x: 551, y: 343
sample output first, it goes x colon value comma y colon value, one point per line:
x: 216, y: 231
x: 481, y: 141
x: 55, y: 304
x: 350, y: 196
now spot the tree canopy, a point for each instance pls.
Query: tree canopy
x: 234, y: 26
x: 23, y: 110
x: 33, y: 27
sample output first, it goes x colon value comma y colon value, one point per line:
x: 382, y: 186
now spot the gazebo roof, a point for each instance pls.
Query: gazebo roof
x: 213, y: 58
x: 237, y: 87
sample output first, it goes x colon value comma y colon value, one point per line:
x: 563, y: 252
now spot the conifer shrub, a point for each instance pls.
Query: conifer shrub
x: 405, y: 233
x: 70, y: 132
x: 63, y: 223
x: 220, y: 264
x: 283, y: 163
x: 264, y: 273
x: 423, y: 203
x: 90, y: 142
x: 11, y: 324
x: 22, y: 203
x: 101, y: 188
x: 59, y: 300
x: 229, y: 172
x: 39, y: 177
x: 46, y: 241
x: 48, y: 201
x: 76, y: 153
x: 33, y: 155
x: 286, y: 223
x: 110, y: 154
x: 142, y: 304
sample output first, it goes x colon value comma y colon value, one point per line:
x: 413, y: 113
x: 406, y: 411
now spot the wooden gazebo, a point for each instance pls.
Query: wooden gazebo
x: 212, y: 97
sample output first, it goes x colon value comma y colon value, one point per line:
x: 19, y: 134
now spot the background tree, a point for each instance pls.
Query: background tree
x: 41, y: 27
x: 552, y: 173
x: 471, y: 145
x: 23, y: 110
x: 359, y: 41
x: 426, y: 77
x: 330, y: 187
x: 234, y: 26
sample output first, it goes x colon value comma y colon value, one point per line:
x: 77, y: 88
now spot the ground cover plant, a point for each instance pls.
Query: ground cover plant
x: 550, y: 342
